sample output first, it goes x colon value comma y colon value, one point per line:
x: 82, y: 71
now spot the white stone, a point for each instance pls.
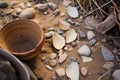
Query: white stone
x: 60, y: 72
x: 28, y: 5
x: 53, y: 63
x: 84, y: 71
x: 107, y: 54
x: 49, y: 67
x: 90, y: 35
x: 49, y: 34
x: 72, y: 12
x: 62, y: 58
x: 53, y: 55
x: 84, y: 51
x: 116, y: 75
x: 86, y: 59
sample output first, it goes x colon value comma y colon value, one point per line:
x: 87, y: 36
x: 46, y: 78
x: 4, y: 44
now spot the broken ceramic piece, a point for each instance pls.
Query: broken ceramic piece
x: 58, y: 41
x: 72, y: 71
x: 63, y: 25
x: 107, y: 54
x: 72, y: 11
x: 84, y: 50
x: 86, y: 59
x: 71, y: 35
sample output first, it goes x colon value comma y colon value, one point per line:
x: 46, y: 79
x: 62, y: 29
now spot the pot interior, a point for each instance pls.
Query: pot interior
x: 20, y: 36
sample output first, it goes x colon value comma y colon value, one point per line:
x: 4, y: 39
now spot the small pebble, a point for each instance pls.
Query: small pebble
x: 3, y: 4
x: 108, y: 65
x: 82, y: 35
x: 52, y: 6
x: 42, y: 7
x: 53, y: 63
x: 66, y: 48
x: 73, y: 44
x: 100, y: 73
x: 90, y: 35
x: 70, y: 49
x: 53, y: 55
x: 84, y: 71
x: 62, y: 14
x: 28, y: 5
x: 43, y: 58
x: 49, y: 67
x: 60, y: 72
x: 62, y: 58
x: 116, y: 74
x: 92, y: 42
x: 51, y: 29
x: 49, y: 34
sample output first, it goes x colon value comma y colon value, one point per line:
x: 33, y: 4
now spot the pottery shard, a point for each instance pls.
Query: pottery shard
x: 62, y: 58
x: 72, y: 71
x: 58, y: 41
x: 63, y: 25
x: 90, y: 35
x: 84, y: 71
x: 28, y: 13
x: 84, y: 51
x: 116, y: 75
x: 72, y: 12
x: 60, y: 72
x: 71, y: 35
x: 107, y: 54
x: 42, y: 7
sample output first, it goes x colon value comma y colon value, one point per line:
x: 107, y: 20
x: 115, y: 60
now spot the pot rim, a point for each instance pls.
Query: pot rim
x: 32, y: 50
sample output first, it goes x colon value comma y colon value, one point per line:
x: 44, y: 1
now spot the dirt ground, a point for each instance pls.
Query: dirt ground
x: 94, y: 67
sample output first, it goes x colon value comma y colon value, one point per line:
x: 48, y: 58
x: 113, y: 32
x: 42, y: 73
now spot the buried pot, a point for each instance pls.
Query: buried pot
x: 22, y: 38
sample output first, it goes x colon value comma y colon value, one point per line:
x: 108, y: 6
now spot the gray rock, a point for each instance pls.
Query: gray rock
x: 42, y: 7
x: 90, y: 35
x: 116, y: 75
x: 72, y: 12
x: 84, y: 51
x: 92, y: 42
x: 52, y: 6
x: 82, y: 35
x: 59, y: 31
x: 107, y: 54
x: 108, y: 65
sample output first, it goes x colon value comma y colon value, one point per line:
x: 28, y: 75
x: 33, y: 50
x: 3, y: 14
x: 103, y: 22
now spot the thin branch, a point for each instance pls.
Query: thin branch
x: 97, y: 9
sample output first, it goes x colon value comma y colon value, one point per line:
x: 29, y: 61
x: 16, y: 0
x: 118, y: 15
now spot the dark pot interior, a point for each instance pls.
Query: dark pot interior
x: 21, y: 36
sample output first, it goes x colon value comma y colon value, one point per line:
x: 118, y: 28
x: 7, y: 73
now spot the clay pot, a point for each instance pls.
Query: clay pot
x: 22, y: 38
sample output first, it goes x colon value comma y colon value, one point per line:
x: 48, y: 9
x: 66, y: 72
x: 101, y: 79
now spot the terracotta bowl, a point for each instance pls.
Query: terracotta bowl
x: 22, y: 38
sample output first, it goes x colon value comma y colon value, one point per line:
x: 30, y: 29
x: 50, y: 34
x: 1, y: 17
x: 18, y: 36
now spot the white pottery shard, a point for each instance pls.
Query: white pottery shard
x: 84, y: 71
x: 58, y: 41
x: 71, y: 35
x: 72, y: 11
x: 72, y: 71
